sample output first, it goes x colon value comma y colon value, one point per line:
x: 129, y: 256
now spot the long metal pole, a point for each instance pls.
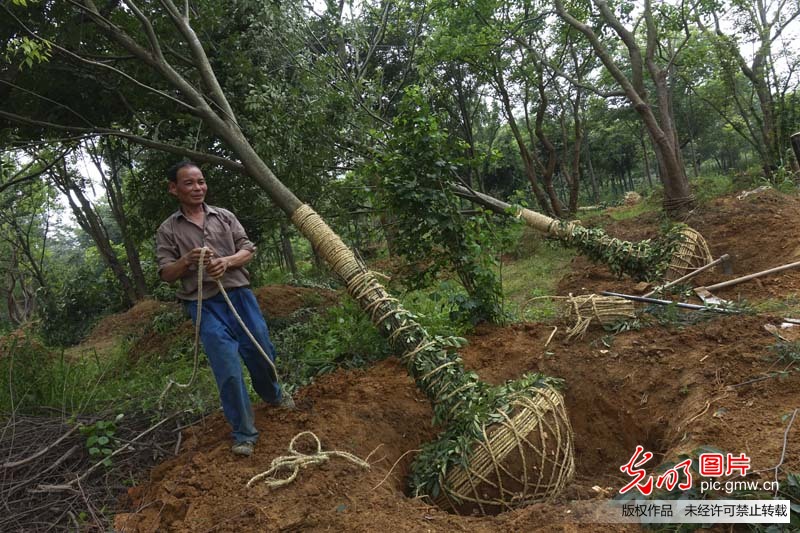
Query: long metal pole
x: 682, y: 305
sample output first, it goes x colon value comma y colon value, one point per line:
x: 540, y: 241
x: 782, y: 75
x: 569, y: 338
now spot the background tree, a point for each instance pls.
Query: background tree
x: 769, y: 72
x: 653, y: 62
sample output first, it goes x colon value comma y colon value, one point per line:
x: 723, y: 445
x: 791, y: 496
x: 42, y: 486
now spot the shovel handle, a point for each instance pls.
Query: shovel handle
x: 748, y: 277
x: 693, y: 273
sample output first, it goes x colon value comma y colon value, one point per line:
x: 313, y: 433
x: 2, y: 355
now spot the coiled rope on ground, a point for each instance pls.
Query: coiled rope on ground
x: 297, y: 460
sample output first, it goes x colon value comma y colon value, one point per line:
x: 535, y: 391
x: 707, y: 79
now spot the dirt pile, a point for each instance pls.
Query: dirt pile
x: 281, y: 301
x: 758, y: 231
x: 669, y: 388
x: 664, y: 388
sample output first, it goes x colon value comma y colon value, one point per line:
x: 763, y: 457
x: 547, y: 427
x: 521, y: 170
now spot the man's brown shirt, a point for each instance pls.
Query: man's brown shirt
x: 222, y: 232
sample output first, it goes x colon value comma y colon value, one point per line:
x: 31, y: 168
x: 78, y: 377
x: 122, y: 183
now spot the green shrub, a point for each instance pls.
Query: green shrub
x: 709, y: 187
x: 339, y: 337
x: 80, y: 299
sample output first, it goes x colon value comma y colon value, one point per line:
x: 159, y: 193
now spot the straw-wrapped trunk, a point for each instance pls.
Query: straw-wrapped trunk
x: 678, y: 252
x: 502, y: 447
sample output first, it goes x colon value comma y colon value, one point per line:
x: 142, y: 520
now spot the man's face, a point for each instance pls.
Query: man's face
x: 189, y: 187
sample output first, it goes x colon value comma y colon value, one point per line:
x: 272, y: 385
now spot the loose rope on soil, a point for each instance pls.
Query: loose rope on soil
x: 297, y: 460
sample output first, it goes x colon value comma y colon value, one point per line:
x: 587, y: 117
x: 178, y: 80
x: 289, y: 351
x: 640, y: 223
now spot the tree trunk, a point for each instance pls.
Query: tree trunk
x: 646, y: 162
x: 113, y: 186
x: 527, y: 158
x: 286, y: 249
x: 548, y: 170
x: 795, y: 139
x: 595, y: 189
x: 90, y: 222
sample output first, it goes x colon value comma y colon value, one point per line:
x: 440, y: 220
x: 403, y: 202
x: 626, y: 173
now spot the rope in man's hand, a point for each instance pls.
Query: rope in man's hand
x: 196, y: 348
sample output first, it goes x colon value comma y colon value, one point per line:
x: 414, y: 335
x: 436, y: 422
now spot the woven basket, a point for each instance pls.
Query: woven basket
x: 691, y: 254
x: 528, y: 457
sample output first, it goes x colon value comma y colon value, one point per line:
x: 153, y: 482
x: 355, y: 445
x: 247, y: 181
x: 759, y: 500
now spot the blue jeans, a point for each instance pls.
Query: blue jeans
x: 225, y: 342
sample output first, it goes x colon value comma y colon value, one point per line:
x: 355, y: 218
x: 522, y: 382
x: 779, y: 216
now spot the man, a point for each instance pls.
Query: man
x: 179, y: 242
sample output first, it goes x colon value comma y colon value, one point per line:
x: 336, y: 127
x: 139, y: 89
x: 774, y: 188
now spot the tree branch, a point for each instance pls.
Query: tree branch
x: 201, y: 59
x: 142, y: 54
x: 200, y: 157
x: 42, y: 97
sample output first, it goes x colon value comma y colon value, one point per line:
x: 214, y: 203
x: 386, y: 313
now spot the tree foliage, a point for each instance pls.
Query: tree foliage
x: 415, y: 167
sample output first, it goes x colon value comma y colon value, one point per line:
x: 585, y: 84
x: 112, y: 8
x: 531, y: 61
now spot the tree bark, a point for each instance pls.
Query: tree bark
x: 91, y: 223
x: 527, y: 158
x: 795, y: 139
x: 286, y: 249
x: 646, y: 162
x: 113, y: 187
x: 592, y: 177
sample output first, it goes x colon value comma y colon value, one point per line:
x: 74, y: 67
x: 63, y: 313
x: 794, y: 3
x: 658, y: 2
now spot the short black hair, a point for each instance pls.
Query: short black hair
x: 172, y: 172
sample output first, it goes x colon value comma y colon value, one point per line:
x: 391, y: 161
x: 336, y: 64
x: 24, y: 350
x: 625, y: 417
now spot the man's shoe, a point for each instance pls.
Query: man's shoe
x: 245, y: 449
x: 287, y: 401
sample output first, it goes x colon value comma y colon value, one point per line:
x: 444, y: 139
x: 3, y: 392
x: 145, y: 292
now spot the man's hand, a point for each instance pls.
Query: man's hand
x: 193, y: 257
x: 217, y: 267
x: 180, y: 268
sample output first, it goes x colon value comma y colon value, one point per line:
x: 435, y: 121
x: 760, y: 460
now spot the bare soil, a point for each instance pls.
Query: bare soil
x: 670, y: 388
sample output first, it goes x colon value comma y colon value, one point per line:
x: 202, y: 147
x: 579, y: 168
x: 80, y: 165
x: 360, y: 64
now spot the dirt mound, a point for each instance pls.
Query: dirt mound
x: 669, y: 388
x: 281, y: 301
x: 22, y: 336
x: 758, y: 232
x: 664, y: 388
x: 137, y: 323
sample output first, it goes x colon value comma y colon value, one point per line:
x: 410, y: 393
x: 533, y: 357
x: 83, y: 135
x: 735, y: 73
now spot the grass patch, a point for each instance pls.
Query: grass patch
x: 539, y: 265
x: 625, y: 212
x: 434, y: 308
x: 788, y: 306
x: 38, y: 378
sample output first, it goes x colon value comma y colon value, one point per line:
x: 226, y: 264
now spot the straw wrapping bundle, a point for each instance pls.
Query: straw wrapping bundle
x: 680, y: 249
x: 607, y: 311
x: 536, y: 438
x: 691, y: 253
